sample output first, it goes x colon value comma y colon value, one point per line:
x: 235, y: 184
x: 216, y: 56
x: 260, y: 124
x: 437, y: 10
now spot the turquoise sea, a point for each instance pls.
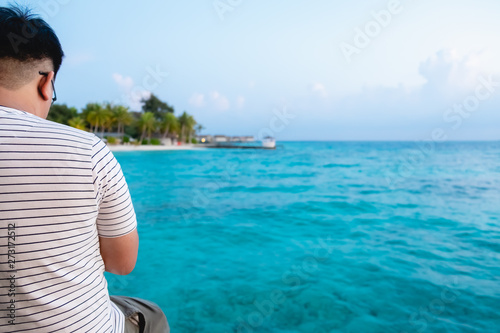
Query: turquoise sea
x: 319, y: 237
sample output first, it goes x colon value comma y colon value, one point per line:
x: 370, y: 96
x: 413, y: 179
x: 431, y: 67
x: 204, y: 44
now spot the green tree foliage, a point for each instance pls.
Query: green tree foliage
x: 121, y: 117
x: 155, y: 142
x: 109, y: 120
x: 148, y: 125
x: 97, y: 116
x: 78, y: 122
x: 190, y: 128
x: 133, y: 130
x: 169, y: 124
x: 61, y: 113
x: 157, y: 116
x: 187, y: 125
x: 156, y: 106
x: 198, y: 128
x: 112, y: 140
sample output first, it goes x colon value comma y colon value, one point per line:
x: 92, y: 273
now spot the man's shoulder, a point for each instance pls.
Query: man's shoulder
x: 51, y: 132
x: 65, y: 128
x: 78, y: 139
x: 46, y: 127
x: 76, y: 134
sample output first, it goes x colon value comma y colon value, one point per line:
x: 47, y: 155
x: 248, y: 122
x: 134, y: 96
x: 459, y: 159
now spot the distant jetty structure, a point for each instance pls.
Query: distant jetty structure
x: 234, y: 142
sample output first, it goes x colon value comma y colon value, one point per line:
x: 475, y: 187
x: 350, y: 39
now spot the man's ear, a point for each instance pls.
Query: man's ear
x: 45, y: 86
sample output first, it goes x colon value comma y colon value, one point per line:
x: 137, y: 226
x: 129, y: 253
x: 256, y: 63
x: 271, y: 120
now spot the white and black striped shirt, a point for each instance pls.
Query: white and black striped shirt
x: 60, y: 190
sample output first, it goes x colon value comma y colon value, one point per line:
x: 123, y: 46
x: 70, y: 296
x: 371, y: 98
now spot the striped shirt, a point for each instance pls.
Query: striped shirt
x: 60, y: 190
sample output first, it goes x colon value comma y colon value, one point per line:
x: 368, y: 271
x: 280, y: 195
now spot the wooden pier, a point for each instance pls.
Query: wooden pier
x: 226, y: 146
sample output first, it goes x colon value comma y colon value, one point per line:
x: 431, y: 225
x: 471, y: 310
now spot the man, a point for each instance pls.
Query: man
x: 65, y: 211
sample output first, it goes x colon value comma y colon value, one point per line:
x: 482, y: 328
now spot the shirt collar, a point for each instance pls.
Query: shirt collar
x: 11, y: 110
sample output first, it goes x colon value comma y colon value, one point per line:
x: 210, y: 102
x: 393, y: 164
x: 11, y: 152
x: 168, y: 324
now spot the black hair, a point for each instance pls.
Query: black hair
x: 26, y: 37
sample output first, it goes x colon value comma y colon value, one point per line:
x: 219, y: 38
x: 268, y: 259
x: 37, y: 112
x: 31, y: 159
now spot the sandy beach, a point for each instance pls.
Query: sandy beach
x: 152, y: 148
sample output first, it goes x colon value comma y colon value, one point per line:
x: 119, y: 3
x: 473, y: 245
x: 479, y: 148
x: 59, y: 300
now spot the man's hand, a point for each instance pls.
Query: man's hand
x: 120, y: 254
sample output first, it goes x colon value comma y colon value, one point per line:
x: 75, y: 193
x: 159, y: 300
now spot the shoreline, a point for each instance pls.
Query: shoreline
x: 118, y: 148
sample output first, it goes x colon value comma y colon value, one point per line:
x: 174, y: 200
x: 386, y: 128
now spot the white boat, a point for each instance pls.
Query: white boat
x: 269, y: 142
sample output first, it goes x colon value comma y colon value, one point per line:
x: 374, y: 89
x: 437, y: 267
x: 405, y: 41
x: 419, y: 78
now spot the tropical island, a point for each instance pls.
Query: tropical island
x: 155, y: 125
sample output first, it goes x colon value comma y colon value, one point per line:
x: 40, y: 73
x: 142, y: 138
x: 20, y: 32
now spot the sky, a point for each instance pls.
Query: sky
x: 296, y: 70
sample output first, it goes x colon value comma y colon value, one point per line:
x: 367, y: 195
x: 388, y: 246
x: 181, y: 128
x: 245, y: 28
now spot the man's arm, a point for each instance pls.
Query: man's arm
x: 116, y: 220
x: 120, y: 254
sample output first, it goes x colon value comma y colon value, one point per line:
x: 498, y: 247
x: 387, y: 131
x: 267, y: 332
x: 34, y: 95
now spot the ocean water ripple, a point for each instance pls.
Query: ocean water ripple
x: 319, y: 237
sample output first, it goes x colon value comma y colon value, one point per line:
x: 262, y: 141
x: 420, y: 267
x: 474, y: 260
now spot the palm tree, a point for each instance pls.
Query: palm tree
x: 168, y: 124
x: 198, y: 128
x: 182, y: 124
x: 77, y: 122
x: 148, y: 124
x: 121, y: 117
x: 90, y: 115
x: 97, y: 116
x: 190, y: 127
x: 187, y: 124
x: 107, y: 120
x: 175, y: 129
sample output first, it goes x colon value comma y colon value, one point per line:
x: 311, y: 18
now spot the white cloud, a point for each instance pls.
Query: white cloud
x: 318, y: 89
x: 219, y: 102
x: 131, y: 94
x: 197, y: 100
x: 125, y: 83
x: 240, y: 102
x: 214, y: 100
x: 443, y: 101
x: 449, y: 75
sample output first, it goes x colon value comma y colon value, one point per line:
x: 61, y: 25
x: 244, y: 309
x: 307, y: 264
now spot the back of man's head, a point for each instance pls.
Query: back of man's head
x: 26, y: 41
